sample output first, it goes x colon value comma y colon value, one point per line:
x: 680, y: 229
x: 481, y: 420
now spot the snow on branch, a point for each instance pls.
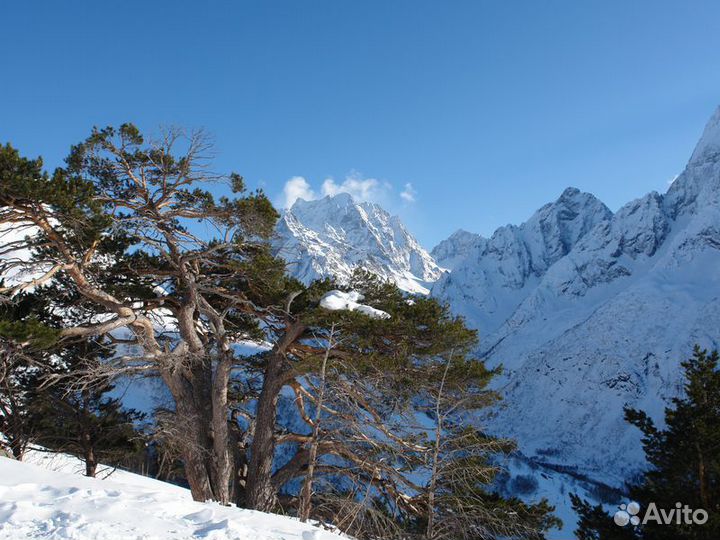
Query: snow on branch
x: 349, y: 301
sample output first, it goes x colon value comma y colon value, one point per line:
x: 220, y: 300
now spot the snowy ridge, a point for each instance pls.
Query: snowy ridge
x: 334, y: 235
x: 491, y: 277
x: 708, y: 147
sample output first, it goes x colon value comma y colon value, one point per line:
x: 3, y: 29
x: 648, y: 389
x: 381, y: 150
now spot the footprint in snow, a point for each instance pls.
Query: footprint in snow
x: 202, y: 516
x: 208, y: 528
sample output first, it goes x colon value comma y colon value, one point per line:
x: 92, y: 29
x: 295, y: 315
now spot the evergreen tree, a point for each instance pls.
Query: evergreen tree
x: 24, y: 360
x: 84, y: 421
x: 594, y: 523
x: 357, y: 382
x: 684, y: 460
x: 18, y: 390
x: 116, y: 223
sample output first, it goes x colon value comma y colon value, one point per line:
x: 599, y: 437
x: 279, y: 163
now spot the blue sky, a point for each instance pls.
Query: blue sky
x: 487, y: 109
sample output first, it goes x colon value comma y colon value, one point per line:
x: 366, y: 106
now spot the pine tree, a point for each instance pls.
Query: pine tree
x: 685, y: 456
x: 684, y: 460
x: 86, y: 422
x: 594, y: 523
x: 116, y: 223
x: 357, y: 382
x: 24, y: 360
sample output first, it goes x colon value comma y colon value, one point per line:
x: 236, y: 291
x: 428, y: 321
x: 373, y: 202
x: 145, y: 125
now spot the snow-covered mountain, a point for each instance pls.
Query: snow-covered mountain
x: 334, y: 235
x: 589, y: 311
x: 490, y: 277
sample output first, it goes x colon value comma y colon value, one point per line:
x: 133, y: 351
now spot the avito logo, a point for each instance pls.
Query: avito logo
x: 680, y: 515
x: 627, y: 514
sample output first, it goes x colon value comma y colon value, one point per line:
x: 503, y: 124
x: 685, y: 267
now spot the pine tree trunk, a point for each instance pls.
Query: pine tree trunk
x: 88, y: 450
x: 196, y: 446
x: 260, y: 492
x: 197, y: 476
x: 90, y: 464
x: 702, y: 480
x: 221, y: 461
x: 196, y: 453
x: 205, y: 452
x: 432, y: 486
x: 17, y: 449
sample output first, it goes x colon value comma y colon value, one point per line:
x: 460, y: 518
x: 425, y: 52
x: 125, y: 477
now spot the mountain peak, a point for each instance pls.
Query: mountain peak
x: 570, y: 192
x: 698, y: 186
x: 452, y: 250
x: 708, y: 147
x: 554, y: 229
x: 335, y: 235
x: 339, y: 199
x: 573, y: 196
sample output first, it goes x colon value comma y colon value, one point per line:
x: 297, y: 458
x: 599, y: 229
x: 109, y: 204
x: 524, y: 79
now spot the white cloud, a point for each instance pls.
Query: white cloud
x: 296, y: 188
x: 361, y: 189
x: 408, y: 194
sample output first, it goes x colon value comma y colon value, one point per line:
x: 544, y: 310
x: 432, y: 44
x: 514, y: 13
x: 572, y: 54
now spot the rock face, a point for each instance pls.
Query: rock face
x: 490, y: 277
x: 589, y: 311
x: 335, y: 235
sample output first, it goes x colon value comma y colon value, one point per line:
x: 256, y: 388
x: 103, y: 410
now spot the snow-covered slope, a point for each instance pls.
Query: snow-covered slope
x: 335, y: 235
x: 589, y: 311
x: 50, y: 500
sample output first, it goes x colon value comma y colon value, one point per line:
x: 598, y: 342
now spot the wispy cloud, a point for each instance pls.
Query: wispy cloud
x: 408, y: 194
x: 361, y: 189
x: 296, y: 188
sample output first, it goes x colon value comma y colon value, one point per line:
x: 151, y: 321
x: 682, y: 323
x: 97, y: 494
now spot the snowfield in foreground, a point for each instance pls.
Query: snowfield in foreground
x: 38, y: 502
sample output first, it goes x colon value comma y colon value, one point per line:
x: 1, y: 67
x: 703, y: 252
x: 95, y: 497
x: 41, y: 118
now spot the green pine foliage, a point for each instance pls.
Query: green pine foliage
x: 684, y: 460
x: 382, y: 373
x: 464, y: 461
x: 25, y: 344
x: 685, y: 455
x: 594, y: 523
x: 84, y: 421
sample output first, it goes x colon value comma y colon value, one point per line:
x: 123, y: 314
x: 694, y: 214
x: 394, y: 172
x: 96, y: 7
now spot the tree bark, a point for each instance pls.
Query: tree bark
x: 197, y: 476
x: 90, y: 463
x: 17, y: 448
x: 87, y: 447
x: 702, y: 480
x: 194, y: 445
x: 222, y: 464
x: 261, y: 493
